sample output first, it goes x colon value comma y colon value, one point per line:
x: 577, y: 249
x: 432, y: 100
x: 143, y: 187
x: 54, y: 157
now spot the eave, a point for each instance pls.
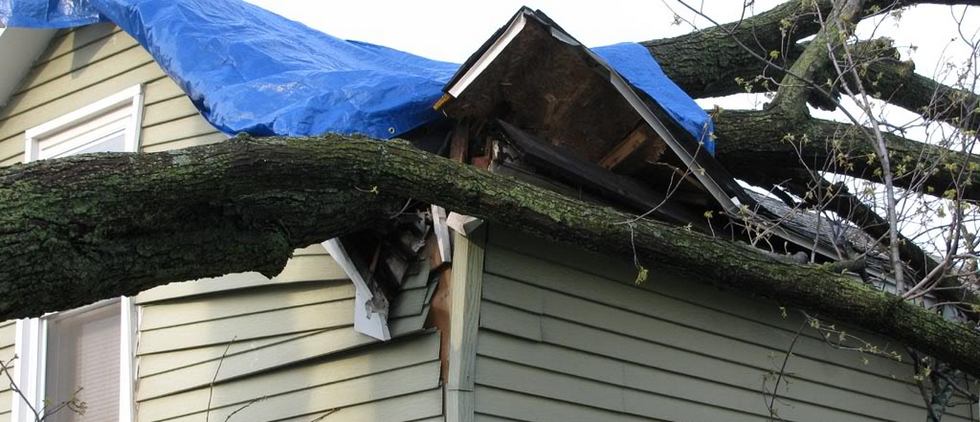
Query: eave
x: 19, y: 48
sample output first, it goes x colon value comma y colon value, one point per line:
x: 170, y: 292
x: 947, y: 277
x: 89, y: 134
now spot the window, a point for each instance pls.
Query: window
x: 111, y: 124
x: 91, y: 347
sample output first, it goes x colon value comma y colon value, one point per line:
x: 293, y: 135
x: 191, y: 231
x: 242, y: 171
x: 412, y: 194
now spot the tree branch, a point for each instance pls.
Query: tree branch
x: 820, y: 193
x: 749, y: 142
x: 712, y: 62
x: 74, y: 213
x: 796, y: 86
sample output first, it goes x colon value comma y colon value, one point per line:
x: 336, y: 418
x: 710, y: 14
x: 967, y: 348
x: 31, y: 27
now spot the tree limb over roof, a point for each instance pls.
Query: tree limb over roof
x: 83, y: 228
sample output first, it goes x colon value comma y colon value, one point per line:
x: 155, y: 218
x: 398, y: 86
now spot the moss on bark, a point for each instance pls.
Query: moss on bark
x: 79, y: 229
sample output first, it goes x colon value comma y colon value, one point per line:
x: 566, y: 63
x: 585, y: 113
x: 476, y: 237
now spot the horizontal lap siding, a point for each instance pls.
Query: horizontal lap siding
x: 565, y: 329
x: 366, y: 381
x: 256, y: 338
x: 91, y: 63
x: 7, y: 335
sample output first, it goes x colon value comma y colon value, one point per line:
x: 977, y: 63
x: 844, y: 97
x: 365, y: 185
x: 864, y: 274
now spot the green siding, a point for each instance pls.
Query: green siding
x: 563, y: 329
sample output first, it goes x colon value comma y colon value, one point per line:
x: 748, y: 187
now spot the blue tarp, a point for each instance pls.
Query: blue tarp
x: 47, y: 13
x: 249, y: 70
x: 634, y: 62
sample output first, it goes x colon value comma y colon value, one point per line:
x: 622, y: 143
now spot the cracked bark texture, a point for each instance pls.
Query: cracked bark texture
x: 84, y: 228
x: 111, y: 224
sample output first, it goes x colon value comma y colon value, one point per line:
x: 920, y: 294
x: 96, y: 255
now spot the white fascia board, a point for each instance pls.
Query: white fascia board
x: 513, y: 29
x: 19, y: 48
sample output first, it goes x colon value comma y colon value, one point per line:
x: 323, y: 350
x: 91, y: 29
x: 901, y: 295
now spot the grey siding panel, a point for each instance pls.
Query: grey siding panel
x: 86, y: 76
x: 193, y: 125
x: 561, y: 311
x: 520, y: 406
x: 81, y: 57
x: 67, y: 41
x: 480, y: 417
x: 252, y: 329
x: 613, y: 398
x: 671, y: 299
x: 555, y: 322
x: 415, y: 407
x: 167, y: 110
x: 369, y: 374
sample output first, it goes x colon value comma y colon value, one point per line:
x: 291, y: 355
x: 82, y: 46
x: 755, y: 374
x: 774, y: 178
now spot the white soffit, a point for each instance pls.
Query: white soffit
x: 18, y: 50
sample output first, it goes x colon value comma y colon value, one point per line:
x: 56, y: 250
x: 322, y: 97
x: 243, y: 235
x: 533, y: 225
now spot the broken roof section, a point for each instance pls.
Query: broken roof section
x: 520, y: 57
x: 566, y: 113
x: 538, y: 79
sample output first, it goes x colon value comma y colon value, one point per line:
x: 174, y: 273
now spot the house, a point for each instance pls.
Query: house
x: 514, y: 328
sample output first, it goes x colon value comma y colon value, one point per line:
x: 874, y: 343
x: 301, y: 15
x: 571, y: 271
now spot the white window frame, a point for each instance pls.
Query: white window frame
x: 132, y: 96
x: 31, y: 333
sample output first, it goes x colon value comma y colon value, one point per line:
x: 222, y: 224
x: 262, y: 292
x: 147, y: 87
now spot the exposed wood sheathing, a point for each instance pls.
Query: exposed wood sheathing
x: 553, y: 93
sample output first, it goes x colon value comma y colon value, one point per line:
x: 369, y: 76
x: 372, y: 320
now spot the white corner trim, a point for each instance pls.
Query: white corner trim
x: 463, y: 224
x: 128, y: 327
x: 28, y: 373
x: 371, y: 323
x: 132, y: 96
x: 441, y: 230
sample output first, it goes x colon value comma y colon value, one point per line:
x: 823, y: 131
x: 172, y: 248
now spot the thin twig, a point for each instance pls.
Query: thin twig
x: 245, y: 406
x: 207, y: 412
x: 782, y: 368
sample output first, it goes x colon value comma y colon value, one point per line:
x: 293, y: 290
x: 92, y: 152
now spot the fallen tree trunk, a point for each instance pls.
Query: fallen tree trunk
x: 107, y: 224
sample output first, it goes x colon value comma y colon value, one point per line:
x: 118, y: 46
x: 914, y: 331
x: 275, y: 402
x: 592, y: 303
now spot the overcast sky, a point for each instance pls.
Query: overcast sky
x: 452, y: 29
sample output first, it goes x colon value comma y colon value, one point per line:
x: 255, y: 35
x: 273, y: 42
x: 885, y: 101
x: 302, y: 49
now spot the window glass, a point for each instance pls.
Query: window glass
x: 83, y: 363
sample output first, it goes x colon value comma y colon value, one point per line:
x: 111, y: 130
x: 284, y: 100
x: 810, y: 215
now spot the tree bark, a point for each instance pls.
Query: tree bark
x: 750, y: 143
x: 711, y: 62
x: 102, y: 225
